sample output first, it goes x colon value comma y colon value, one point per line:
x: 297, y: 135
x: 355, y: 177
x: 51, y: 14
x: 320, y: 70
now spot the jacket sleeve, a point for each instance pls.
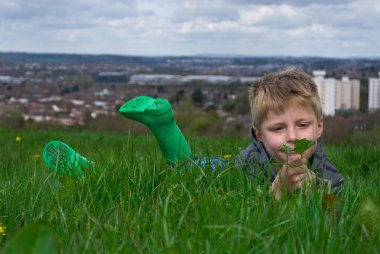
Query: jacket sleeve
x: 255, y: 162
x: 328, y: 174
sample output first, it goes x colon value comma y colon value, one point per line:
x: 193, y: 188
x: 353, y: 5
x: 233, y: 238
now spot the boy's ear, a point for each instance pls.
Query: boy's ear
x: 320, y: 127
x: 257, y: 134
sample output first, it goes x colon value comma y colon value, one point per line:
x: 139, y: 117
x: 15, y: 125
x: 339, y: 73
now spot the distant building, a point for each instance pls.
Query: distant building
x: 248, y: 80
x: 347, y: 94
x: 168, y: 79
x: 374, y: 94
x: 326, y: 90
x: 156, y: 79
x: 335, y: 94
x: 208, y: 78
x: 10, y: 80
x: 111, y: 77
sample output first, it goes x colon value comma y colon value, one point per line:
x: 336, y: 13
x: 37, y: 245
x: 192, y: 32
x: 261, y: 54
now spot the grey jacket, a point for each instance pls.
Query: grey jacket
x: 256, y: 158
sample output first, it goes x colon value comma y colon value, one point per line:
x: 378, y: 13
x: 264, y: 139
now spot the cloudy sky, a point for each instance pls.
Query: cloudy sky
x: 333, y: 28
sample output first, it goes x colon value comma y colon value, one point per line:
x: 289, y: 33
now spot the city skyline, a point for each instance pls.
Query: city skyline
x: 191, y: 27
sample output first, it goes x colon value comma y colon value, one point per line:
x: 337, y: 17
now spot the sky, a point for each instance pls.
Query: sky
x: 325, y: 28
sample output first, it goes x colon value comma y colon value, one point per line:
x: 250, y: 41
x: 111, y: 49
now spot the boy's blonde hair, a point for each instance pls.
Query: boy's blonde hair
x: 276, y: 91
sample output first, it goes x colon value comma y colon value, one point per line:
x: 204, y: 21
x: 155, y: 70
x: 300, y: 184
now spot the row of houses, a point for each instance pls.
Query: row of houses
x: 68, y: 110
x: 10, y: 80
x: 335, y: 94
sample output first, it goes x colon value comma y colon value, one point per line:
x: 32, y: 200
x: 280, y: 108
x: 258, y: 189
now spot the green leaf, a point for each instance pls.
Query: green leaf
x: 301, y: 145
x: 287, y: 149
x: 36, y: 238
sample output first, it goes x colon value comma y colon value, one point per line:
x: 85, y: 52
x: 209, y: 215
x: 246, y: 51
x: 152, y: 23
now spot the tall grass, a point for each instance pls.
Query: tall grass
x: 135, y: 203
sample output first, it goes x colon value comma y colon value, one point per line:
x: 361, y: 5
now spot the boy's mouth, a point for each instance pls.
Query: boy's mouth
x: 288, y: 150
x: 290, y: 154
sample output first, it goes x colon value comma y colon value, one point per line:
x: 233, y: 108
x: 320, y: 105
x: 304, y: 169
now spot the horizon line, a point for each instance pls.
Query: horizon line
x: 205, y: 55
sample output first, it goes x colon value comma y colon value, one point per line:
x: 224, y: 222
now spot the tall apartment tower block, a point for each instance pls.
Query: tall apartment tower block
x: 326, y: 90
x: 347, y: 94
x: 374, y: 94
x: 335, y: 94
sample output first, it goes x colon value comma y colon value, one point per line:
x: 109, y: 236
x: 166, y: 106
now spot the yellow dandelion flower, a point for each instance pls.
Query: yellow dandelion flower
x: 2, y: 230
x: 18, y: 139
x: 37, y: 156
x: 227, y: 156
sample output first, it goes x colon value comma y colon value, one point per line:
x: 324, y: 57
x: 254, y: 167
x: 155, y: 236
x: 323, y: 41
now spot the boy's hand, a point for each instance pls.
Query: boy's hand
x: 292, y: 176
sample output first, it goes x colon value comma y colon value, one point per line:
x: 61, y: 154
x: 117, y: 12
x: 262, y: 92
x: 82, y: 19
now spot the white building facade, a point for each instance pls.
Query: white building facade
x: 347, y: 94
x: 335, y: 94
x: 374, y: 94
x: 326, y: 90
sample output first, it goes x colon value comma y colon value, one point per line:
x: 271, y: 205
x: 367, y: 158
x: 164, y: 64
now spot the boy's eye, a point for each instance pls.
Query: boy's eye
x: 277, y: 128
x: 304, y: 125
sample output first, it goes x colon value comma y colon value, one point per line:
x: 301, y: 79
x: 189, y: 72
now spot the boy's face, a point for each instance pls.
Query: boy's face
x: 294, y: 123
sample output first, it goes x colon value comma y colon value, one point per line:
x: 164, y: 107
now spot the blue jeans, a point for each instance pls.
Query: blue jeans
x: 212, y: 163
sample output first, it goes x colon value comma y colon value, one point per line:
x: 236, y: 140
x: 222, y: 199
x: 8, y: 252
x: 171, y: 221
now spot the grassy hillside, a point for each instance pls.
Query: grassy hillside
x: 134, y: 203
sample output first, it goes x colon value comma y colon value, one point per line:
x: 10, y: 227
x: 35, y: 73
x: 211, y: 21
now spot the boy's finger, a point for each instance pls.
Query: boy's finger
x: 297, y: 162
x: 295, y: 179
x: 288, y: 170
x: 298, y: 181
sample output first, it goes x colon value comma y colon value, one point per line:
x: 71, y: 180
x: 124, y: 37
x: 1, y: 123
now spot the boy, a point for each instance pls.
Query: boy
x: 285, y: 107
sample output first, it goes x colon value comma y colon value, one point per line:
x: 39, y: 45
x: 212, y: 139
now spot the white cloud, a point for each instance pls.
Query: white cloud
x: 205, y: 26
x: 267, y: 14
x: 255, y: 27
x: 315, y: 30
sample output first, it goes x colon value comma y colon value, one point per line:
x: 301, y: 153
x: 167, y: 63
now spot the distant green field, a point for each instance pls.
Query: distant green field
x: 135, y: 203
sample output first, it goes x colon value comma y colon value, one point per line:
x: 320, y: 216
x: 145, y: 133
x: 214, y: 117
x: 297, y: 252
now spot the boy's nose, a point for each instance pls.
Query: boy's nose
x: 292, y: 135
